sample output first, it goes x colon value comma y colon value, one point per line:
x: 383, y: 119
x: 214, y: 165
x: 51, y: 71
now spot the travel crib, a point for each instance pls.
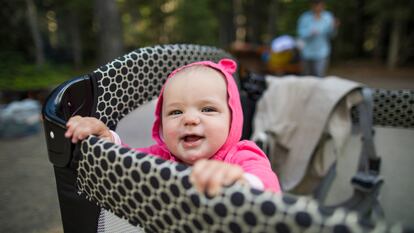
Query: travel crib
x: 156, y: 194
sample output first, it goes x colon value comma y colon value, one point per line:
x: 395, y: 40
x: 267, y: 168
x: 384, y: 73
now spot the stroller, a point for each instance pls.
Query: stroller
x: 95, y: 176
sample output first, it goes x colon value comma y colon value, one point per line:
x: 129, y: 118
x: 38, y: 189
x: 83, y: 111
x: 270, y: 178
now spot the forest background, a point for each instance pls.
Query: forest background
x: 44, y: 42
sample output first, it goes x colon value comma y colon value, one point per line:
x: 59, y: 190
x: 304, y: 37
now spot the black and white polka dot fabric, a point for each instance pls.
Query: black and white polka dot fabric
x: 157, y: 195
x: 137, y: 77
x: 394, y: 108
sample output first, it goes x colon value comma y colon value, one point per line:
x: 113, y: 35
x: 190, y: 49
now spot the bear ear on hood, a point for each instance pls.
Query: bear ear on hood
x: 229, y: 65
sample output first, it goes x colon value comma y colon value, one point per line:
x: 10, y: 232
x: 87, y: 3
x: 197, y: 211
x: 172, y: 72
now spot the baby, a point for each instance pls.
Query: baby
x: 198, y: 121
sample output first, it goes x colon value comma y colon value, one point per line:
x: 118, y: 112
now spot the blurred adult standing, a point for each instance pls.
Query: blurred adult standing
x: 315, y: 29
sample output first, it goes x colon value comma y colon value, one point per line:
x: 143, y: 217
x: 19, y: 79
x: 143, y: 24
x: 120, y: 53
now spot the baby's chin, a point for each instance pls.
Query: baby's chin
x: 191, y: 159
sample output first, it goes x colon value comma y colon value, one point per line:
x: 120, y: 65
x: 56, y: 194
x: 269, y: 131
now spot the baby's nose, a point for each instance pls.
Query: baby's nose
x: 191, y: 119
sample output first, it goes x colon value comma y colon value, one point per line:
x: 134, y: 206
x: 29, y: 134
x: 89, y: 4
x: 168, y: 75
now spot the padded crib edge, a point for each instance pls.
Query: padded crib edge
x: 74, y: 97
x: 157, y: 195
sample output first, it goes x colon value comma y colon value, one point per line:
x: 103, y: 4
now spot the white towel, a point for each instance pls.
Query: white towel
x: 297, y: 111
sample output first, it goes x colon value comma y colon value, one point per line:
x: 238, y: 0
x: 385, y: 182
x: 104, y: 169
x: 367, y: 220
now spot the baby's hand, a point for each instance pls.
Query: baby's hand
x: 78, y: 128
x: 210, y: 175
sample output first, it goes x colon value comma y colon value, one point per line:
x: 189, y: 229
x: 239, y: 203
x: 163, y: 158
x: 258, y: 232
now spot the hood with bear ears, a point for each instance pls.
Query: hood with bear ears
x: 226, y: 67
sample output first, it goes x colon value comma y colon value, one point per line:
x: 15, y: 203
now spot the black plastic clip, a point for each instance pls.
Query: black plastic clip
x: 366, y: 181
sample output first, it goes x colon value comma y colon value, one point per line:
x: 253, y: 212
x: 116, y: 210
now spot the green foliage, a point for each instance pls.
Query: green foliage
x: 386, y: 9
x: 196, y: 23
x: 288, y: 14
x: 14, y: 30
x: 365, y: 30
x: 145, y: 22
x: 16, y: 75
x: 168, y: 21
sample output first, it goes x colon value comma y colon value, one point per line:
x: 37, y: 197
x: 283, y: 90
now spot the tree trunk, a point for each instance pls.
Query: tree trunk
x: 34, y: 30
x: 381, y: 37
x: 394, y: 47
x: 271, y: 23
x: 239, y: 21
x: 108, y: 23
x: 253, y: 25
x: 76, y: 41
x: 226, y: 27
x: 359, y: 37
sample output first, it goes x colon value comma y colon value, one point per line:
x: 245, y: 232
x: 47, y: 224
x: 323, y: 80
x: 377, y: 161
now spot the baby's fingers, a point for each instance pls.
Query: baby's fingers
x: 200, y: 175
x: 209, y: 176
x: 215, y: 182
x: 71, y: 126
x: 81, y: 132
x: 78, y: 135
x: 232, y: 174
x: 224, y: 174
x: 78, y: 129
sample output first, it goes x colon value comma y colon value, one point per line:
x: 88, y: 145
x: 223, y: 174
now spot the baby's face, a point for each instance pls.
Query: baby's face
x: 195, y: 114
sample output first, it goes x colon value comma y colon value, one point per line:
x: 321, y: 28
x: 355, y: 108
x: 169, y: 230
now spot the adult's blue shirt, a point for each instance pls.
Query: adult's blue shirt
x: 315, y: 34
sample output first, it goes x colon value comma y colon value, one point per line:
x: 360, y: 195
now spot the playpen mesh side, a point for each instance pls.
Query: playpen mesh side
x: 394, y: 108
x: 137, y: 77
x: 157, y: 195
x: 117, y: 178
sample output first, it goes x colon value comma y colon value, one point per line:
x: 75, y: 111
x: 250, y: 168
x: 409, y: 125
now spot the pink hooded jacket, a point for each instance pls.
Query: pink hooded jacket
x: 244, y: 153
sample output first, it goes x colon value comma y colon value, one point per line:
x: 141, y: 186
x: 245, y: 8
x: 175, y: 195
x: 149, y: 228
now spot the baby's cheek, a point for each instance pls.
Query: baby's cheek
x: 169, y: 134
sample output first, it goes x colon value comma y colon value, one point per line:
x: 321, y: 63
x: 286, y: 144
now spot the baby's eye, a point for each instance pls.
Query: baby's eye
x: 209, y: 109
x: 174, y: 112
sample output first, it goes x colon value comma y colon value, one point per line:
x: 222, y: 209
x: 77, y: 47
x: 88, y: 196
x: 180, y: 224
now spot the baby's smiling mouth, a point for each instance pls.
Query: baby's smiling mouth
x: 191, y: 138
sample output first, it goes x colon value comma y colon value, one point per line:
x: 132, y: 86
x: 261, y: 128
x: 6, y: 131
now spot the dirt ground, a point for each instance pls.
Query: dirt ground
x: 375, y: 74
x: 28, y: 197
x: 372, y: 73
